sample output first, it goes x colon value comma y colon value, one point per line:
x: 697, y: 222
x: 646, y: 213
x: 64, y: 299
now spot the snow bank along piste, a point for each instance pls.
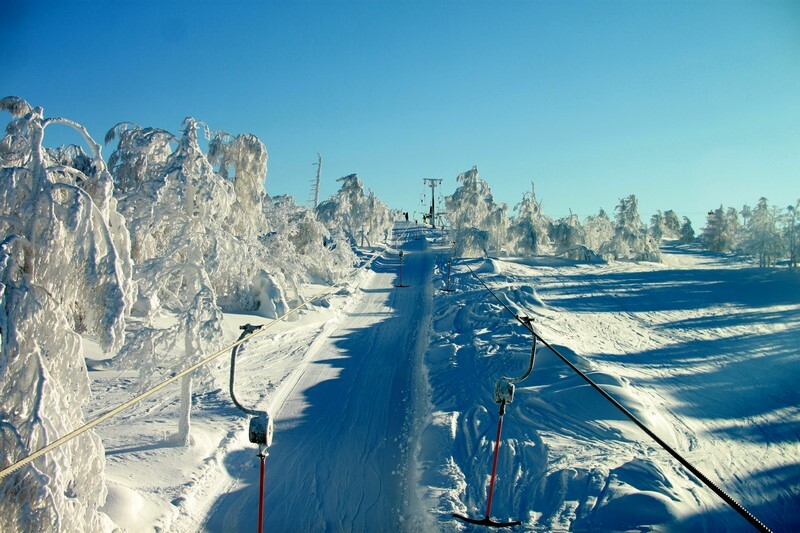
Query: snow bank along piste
x: 133, y: 401
x: 526, y: 322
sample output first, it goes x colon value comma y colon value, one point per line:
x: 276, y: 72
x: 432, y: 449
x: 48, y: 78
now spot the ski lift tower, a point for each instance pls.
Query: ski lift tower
x: 313, y: 199
x: 432, y: 183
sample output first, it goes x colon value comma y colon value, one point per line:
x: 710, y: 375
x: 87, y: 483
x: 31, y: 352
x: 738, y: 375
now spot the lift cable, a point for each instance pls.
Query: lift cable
x: 747, y: 515
x: 133, y: 401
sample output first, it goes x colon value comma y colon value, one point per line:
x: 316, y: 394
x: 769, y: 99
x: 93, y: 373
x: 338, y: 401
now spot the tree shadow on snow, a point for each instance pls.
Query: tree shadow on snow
x: 672, y: 290
x: 726, y: 378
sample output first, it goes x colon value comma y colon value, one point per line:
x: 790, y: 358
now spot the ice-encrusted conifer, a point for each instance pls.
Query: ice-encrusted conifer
x: 362, y: 217
x: 719, y: 234
x: 672, y: 224
x: 177, y: 206
x: 630, y: 241
x: 658, y: 227
x: 529, y: 230
x: 301, y: 246
x: 247, y: 156
x: 686, y: 232
x: 479, y: 225
x: 598, y: 230
x: 764, y: 239
x: 568, y: 237
x: 64, y: 269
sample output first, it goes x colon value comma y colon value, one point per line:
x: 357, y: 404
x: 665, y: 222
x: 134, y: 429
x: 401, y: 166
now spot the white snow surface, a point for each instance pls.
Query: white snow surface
x: 384, y: 420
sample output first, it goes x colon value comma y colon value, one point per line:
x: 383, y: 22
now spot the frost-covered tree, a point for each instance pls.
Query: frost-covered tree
x: 301, y: 246
x: 746, y: 213
x: 529, y: 231
x: 792, y: 233
x: 719, y: 234
x: 247, y: 156
x: 658, y: 227
x: 479, y: 224
x: 358, y: 214
x: 64, y: 270
x: 141, y: 154
x: 686, y: 232
x: 763, y: 236
x: 598, y: 230
x: 195, y: 238
x: 734, y: 227
x: 630, y: 240
x: 672, y: 223
x: 568, y: 237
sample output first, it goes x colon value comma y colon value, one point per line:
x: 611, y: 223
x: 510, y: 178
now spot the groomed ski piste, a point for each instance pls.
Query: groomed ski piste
x: 385, y: 421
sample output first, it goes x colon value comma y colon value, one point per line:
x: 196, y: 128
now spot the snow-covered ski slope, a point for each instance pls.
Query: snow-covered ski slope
x: 703, y: 349
x: 382, y: 399
x: 343, y: 452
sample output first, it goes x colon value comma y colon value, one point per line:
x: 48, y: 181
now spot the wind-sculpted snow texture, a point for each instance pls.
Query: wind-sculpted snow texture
x: 701, y: 349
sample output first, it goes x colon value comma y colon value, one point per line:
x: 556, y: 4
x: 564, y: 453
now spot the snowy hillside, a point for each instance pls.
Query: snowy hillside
x: 702, y: 348
x: 385, y: 420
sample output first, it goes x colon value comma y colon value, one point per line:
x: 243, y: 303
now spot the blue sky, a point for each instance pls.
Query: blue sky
x: 685, y: 104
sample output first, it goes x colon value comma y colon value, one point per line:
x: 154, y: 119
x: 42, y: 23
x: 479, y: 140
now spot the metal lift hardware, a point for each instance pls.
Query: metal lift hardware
x: 503, y: 394
x: 260, y: 431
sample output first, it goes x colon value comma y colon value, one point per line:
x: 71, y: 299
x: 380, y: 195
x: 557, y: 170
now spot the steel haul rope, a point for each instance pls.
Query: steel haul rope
x: 133, y: 401
x: 747, y: 515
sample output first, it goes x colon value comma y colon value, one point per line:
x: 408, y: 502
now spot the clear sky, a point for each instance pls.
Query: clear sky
x: 685, y: 104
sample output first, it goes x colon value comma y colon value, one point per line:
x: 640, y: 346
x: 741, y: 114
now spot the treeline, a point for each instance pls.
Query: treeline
x: 143, y: 255
x: 482, y: 226
x: 766, y: 233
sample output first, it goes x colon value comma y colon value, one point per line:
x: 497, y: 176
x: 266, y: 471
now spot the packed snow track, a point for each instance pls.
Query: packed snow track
x: 340, y: 458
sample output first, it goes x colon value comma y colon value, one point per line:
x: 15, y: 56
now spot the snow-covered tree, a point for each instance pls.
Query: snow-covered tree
x: 64, y: 270
x: 719, y: 234
x: 686, y: 232
x: 792, y: 233
x: 568, y: 237
x: 658, y: 227
x: 746, y: 213
x: 529, y: 230
x: 141, y: 154
x: 672, y: 223
x: 734, y: 227
x: 630, y: 240
x: 301, y: 246
x: 479, y: 225
x: 763, y: 236
x: 195, y: 238
x: 358, y: 214
x: 247, y: 155
x: 598, y: 230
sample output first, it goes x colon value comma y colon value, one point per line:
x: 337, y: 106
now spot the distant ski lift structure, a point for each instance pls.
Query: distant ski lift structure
x: 313, y: 198
x: 430, y: 217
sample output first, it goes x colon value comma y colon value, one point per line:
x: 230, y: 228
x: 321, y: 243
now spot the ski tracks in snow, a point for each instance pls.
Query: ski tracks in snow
x: 702, y: 353
x: 340, y: 457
